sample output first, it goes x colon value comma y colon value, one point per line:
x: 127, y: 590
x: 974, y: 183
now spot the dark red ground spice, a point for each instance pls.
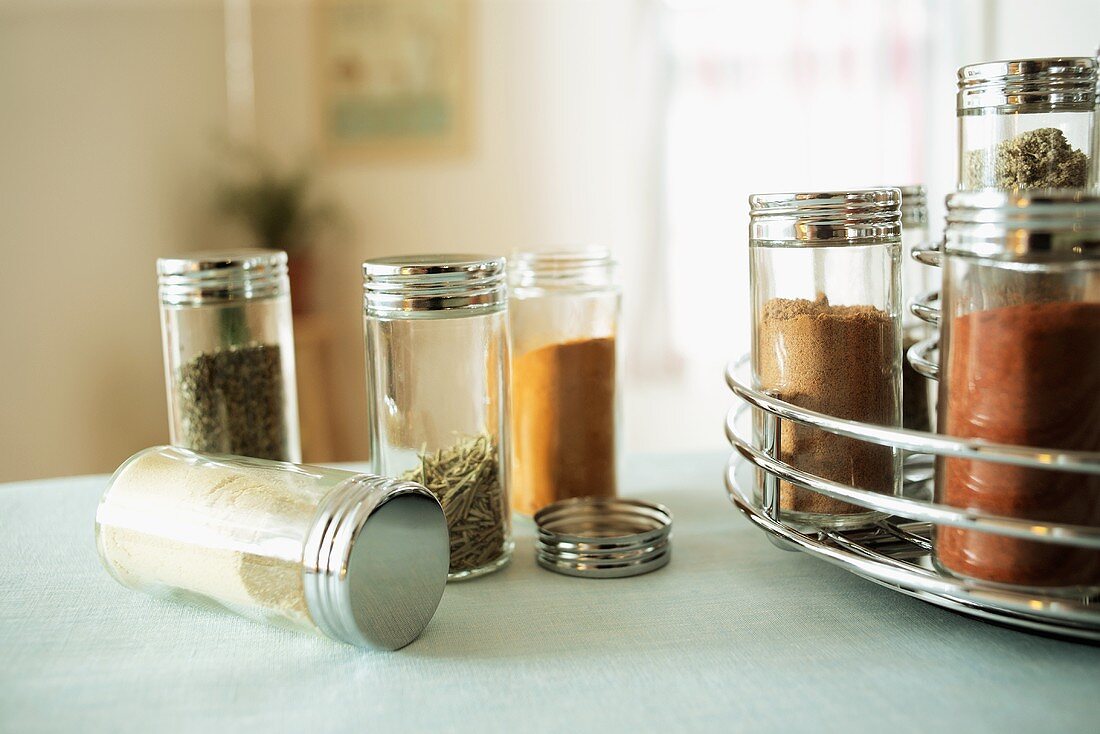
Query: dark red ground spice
x: 1027, y: 375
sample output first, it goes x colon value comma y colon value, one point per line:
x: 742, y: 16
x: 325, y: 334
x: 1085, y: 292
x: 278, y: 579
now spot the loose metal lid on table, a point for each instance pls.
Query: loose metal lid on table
x: 603, y: 537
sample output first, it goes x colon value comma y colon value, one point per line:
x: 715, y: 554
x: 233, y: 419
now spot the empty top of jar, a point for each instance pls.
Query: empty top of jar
x: 1024, y: 226
x: 416, y: 285
x: 222, y: 275
x: 1028, y: 85
x: 577, y: 268
x: 826, y: 218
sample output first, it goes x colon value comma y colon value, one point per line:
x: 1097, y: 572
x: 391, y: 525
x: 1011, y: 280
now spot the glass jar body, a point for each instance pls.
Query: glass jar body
x: 229, y: 370
x: 565, y: 392
x: 219, y: 531
x: 916, y: 278
x: 1020, y: 364
x: 918, y: 394
x: 1026, y: 150
x: 827, y: 336
x: 438, y: 401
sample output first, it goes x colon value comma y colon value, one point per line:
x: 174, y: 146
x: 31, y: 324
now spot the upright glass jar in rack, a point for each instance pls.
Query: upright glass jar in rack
x: 918, y: 404
x: 1020, y: 365
x: 825, y: 272
x: 1027, y: 124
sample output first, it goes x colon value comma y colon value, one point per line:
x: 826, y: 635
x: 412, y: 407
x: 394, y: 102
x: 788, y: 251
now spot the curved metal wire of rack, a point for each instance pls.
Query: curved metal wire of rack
x: 923, y: 356
x: 896, y: 551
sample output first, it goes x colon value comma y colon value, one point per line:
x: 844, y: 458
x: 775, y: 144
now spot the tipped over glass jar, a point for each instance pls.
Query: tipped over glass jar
x: 358, y: 558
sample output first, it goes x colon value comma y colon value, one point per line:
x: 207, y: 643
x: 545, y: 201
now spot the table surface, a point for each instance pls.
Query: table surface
x: 733, y: 633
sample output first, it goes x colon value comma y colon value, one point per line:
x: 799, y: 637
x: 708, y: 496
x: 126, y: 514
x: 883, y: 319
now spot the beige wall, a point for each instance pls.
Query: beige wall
x: 548, y: 164
x: 111, y: 110
x: 107, y: 110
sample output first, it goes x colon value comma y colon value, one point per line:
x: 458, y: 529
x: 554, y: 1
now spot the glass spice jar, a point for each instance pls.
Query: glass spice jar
x: 1096, y: 131
x: 437, y: 380
x: 1095, y: 174
x: 1020, y: 364
x: 825, y: 276
x: 228, y: 342
x: 358, y: 558
x: 917, y: 279
x: 564, y: 314
x: 1027, y: 124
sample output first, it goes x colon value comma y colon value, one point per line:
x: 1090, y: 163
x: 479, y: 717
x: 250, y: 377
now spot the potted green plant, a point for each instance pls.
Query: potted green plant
x: 279, y: 209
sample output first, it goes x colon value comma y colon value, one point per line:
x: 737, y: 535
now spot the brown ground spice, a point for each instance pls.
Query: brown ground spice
x: 839, y: 360
x: 1028, y: 375
x: 563, y: 423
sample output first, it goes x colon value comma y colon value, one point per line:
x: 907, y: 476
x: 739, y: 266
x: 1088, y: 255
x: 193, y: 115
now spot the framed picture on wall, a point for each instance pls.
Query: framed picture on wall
x: 395, y: 77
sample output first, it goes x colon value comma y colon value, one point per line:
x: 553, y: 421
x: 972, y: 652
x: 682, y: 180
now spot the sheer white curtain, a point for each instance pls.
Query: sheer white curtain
x: 774, y: 97
x: 777, y: 96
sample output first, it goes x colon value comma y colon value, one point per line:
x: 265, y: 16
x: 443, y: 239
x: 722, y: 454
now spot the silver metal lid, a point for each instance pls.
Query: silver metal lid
x: 825, y: 218
x: 221, y: 276
x: 375, y: 562
x: 914, y: 205
x: 1023, y: 226
x: 420, y: 286
x: 1028, y: 85
x: 568, y: 269
x: 603, y: 537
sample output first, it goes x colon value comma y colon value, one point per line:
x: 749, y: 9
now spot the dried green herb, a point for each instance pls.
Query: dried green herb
x: 466, y: 480
x: 232, y: 402
x: 1036, y: 159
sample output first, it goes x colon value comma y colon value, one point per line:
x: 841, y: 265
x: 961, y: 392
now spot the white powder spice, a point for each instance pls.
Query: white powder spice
x: 225, y: 534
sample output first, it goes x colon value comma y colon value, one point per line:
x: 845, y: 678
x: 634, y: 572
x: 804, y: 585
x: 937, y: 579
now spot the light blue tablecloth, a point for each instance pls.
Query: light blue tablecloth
x: 732, y: 635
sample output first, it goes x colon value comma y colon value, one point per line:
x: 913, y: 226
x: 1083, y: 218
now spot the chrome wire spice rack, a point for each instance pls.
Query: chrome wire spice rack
x: 896, y: 551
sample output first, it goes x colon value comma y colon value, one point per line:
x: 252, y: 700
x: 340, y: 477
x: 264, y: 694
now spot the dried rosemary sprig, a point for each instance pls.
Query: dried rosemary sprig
x: 466, y: 480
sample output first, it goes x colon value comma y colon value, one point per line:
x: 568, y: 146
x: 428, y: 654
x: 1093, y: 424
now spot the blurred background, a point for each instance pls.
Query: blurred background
x: 132, y: 129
